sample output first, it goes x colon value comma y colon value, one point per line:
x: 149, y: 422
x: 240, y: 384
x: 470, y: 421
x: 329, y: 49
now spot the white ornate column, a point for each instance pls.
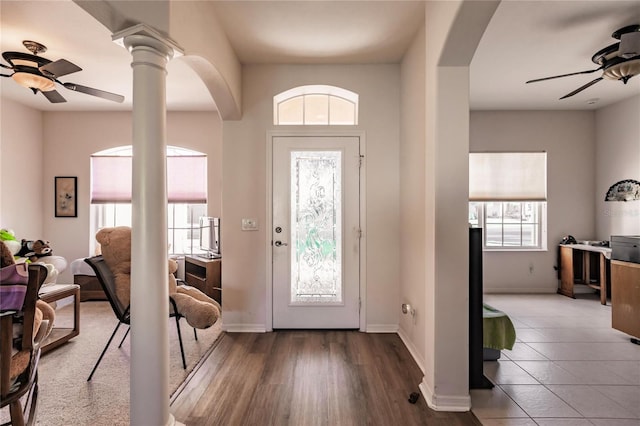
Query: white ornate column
x: 149, y: 271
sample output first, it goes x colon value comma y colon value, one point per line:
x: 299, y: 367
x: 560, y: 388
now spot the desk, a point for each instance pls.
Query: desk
x: 52, y: 293
x: 567, y: 279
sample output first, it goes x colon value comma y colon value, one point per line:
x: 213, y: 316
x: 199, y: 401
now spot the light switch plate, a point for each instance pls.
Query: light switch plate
x: 249, y: 224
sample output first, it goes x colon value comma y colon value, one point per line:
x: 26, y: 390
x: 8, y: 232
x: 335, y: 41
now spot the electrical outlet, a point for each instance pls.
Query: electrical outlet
x: 408, y: 309
x: 249, y: 224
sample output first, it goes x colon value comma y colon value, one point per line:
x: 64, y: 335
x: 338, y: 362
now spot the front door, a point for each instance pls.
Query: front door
x: 316, y: 232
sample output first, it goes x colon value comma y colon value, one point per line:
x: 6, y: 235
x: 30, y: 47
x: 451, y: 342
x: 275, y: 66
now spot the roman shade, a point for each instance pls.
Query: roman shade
x: 111, y: 179
x: 508, y: 176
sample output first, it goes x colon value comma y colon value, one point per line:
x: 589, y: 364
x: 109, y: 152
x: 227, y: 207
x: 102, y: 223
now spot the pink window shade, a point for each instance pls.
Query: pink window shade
x: 111, y: 179
x: 187, y: 179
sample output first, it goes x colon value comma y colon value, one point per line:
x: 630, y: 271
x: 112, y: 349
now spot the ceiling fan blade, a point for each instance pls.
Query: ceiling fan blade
x: 60, y: 67
x: 54, y: 97
x: 95, y: 92
x: 580, y: 89
x: 564, y: 75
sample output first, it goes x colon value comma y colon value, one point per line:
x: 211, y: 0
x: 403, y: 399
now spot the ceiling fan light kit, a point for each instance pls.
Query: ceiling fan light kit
x: 623, y: 71
x: 41, y: 75
x: 33, y: 81
x: 618, y: 61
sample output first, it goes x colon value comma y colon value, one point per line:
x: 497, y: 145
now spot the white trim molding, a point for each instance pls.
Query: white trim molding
x: 244, y: 328
x: 444, y: 402
x: 381, y: 328
x: 551, y: 289
x: 412, y: 349
x: 302, y: 132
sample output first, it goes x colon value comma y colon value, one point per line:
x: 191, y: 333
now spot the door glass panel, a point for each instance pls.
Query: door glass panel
x: 316, y: 227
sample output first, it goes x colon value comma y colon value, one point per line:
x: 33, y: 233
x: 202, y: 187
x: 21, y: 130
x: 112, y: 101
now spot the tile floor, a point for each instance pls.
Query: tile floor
x: 567, y: 368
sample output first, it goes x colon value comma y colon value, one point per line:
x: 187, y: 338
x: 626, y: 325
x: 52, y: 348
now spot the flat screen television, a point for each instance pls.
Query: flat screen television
x: 210, y: 236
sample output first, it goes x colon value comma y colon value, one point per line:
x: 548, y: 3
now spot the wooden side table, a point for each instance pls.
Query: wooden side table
x: 205, y: 275
x: 60, y: 335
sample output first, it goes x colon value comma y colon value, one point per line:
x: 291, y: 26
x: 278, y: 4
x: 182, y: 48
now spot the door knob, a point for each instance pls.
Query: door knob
x: 280, y: 243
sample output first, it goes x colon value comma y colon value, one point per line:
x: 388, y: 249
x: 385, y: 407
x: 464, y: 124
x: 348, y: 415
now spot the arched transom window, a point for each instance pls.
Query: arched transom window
x: 315, y: 105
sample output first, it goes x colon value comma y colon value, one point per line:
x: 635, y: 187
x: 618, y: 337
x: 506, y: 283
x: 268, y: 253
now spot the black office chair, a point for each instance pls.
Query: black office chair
x: 107, y: 281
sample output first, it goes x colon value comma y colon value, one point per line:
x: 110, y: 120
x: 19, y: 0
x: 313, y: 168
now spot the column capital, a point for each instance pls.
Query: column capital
x: 143, y: 35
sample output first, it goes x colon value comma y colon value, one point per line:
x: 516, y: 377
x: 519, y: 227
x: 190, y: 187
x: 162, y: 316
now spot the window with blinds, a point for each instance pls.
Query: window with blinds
x: 508, y: 194
x: 111, y: 178
x: 110, y: 194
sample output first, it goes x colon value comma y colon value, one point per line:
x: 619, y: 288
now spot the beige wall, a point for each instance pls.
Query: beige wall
x: 453, y: 30
x: 21, y: 177
x: 244, y: 174
x: 587, y: 152
x: 60, y: 143
x: 617, y: 158
x: 569, y: 139
x: 412, y: 197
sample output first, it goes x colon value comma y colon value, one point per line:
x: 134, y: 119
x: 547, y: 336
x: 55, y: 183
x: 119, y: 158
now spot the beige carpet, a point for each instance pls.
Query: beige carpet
x: 66, y: 398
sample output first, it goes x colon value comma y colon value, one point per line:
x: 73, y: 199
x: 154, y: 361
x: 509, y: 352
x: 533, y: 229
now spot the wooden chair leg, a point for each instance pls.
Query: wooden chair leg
x: 15, y: 411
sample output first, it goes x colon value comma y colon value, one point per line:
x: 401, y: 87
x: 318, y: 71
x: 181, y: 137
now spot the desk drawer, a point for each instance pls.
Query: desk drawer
x: 196, y: 281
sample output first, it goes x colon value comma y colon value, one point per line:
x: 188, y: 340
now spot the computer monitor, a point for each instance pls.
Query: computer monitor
x: 210, y: 236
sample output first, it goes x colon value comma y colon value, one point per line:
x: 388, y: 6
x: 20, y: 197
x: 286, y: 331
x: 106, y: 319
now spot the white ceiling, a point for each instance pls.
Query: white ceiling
x: 525, y: 40
x: 71, y: 33
x: 533, y: 39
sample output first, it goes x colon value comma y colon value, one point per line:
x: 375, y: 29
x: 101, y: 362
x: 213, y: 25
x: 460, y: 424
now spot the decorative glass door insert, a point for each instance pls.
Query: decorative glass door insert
x: 316, y: 227
x: 315, y: 232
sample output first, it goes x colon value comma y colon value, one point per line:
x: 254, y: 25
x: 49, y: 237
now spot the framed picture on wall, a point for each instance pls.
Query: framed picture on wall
x: 66, y: 201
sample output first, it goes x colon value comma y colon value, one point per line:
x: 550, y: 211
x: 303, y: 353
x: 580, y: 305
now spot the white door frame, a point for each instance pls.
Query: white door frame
x: 271, y: 134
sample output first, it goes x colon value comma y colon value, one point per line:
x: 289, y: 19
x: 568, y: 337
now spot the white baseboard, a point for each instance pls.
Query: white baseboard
x: 261, y: 328
x: 244, y: 328
x: 444, y: 402
x: 382, y: 328
x: 435, y: 402
x: 412, y: 349
x: 511, y: 290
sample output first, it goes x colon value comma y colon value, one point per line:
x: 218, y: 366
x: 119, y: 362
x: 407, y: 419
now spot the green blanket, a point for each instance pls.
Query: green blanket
x: 498, y: 332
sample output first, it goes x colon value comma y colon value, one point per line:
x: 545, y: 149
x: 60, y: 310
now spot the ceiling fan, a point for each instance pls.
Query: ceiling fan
x: 40, y: 74
x: 619, y: 61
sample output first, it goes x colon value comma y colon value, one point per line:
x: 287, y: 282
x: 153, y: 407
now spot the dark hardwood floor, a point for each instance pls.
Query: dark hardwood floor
x: 308, y: 378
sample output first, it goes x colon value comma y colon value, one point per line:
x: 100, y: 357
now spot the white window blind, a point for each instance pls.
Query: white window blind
x: 111, y: 179
x: 508, y: 176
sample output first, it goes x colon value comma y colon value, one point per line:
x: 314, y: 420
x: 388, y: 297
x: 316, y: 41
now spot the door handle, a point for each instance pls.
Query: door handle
x: 280, y: 243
